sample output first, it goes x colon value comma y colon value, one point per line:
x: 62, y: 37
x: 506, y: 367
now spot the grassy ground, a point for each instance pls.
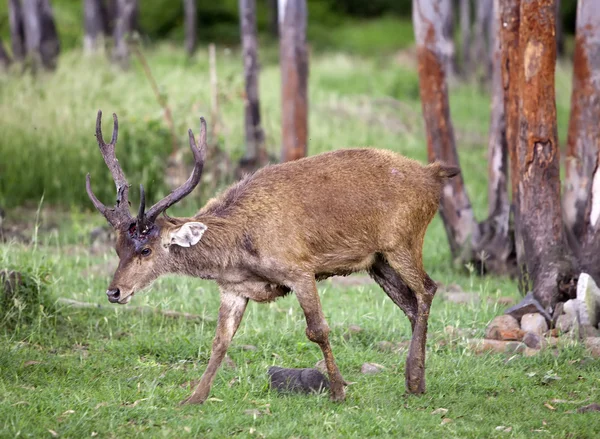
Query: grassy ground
x: 114, y: 373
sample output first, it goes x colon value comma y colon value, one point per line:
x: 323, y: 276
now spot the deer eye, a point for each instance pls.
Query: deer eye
x: 146, y: 251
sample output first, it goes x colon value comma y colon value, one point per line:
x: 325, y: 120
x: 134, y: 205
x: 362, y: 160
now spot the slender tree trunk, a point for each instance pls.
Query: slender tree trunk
x: 455, y: 207
x: 582, y: 190
x: 496, y: 241
x: 33, y: 31
x: 50, y: 45
x: 274, y: 17
x: 17, y: 29
x: 447, y: 48
x: 465, y: 34
x: 125, y: 24
x: 483, y: 37
x: 191, y: 25
x: 255, y: 138
x: 560, y: 35
x: 294, y: 78
x: 95, y: 23
x: 5, y: 59
x: 540, y: 217
x: 509, y: 12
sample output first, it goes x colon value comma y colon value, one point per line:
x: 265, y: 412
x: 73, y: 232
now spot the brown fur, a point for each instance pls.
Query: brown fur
x: 281, y: 228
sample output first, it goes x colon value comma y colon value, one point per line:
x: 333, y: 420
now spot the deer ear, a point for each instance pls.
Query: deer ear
x: 187, y: 235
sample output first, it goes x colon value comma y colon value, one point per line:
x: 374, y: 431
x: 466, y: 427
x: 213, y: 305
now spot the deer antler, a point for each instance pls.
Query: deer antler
x: 120, y: 213
x: 189, y: 185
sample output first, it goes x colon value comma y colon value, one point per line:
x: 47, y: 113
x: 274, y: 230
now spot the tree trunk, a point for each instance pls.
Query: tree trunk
x: 190, y: 26
x: 50, y: 45
x: 17, y: 29
x: 5, y: 60
x: 274, y: 18
x: 582, y: 190
x: 125, y: 24
x: 483, y: 37
x: 95, y: 23
x: 539, y: 201
x: 465, y: 34
x: 255, y: 138
x: 455, y: 207
x: 33, y: 31
x: 560, y: 34
x: 495, y: 240
x: 448, y: 49
x: 294, y: 78
x: 509, y: 13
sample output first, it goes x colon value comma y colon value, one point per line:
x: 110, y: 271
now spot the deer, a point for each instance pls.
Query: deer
x: 282, y: 229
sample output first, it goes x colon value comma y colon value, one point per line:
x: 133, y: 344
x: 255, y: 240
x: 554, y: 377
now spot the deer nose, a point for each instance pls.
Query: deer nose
x: 113, y: 295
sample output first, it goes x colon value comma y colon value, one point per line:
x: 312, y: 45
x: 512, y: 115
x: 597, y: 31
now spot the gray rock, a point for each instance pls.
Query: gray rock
x: 371, y: 368
x: 297, y: 380
x: 588, y: 294
x: 565, y: 322
x: 534, y: 341
x: 593, y: 344
x: 587, y: 331
x: 528, y: 305
x: 534, y: 322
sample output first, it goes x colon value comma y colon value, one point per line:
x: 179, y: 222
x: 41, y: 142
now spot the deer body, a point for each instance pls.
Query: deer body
x: 283, y: 228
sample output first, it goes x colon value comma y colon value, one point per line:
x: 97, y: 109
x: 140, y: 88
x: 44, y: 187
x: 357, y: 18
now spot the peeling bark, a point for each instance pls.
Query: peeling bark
x: 455, y: 207
x: 190, y: 26
x: 540, y: 216
x: 294, y: 78
x: 582, y: 189
x: 495, y: 239
x: 509, y: 13
x: 17, y: 29
x: 255, y: 138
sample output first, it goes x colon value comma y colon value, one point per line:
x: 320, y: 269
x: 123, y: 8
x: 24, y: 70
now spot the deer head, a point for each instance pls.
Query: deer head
x: 143, y: 242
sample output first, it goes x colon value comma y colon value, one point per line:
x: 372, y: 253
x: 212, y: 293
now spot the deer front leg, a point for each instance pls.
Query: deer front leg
x: 230, y: 315
x: 317, y: 331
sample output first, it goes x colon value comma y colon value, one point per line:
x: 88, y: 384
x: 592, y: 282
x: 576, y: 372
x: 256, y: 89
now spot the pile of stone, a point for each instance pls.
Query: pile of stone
x: 528, y: 328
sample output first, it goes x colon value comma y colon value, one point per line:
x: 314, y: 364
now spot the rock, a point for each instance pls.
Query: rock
x: 588, y: 331
x: 461, y: 297
x: 297, y: 380
x: 446, y: 421
x: 388, y: 346
x: 528, y: 305
x: 534, y: 322
x: 593, y: 344
x: 352, y: 330
x: 530, y: 352
x: 371, y: 368
x: 485, y: 345
x: 558, y: 311
x: 588, y: 294
x: 589, y: 408
x: 441, y: 411
x: 534, y: 341
x: 500, y: 326
x: 564, y: 323
x: 571, y: 308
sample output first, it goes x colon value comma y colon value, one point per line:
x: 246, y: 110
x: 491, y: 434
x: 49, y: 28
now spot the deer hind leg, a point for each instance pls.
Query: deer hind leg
x: 396, y: 289
x: 317, y: 331
x: 410, y: 269
x: 230, y: 315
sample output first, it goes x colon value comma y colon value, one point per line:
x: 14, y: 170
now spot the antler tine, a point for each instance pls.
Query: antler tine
x: 108, y: 153
x: 141, y: 218
x: 199, y: 156
x: 120, y: 213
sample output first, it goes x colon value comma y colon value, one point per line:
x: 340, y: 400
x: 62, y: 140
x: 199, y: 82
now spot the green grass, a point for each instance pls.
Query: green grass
x: 119, y: 374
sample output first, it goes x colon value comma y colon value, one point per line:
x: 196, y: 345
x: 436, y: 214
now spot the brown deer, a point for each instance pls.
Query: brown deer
x: 282, y: 229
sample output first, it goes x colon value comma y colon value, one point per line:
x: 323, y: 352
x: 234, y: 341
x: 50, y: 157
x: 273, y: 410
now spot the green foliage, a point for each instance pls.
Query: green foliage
x: 24, y: 294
